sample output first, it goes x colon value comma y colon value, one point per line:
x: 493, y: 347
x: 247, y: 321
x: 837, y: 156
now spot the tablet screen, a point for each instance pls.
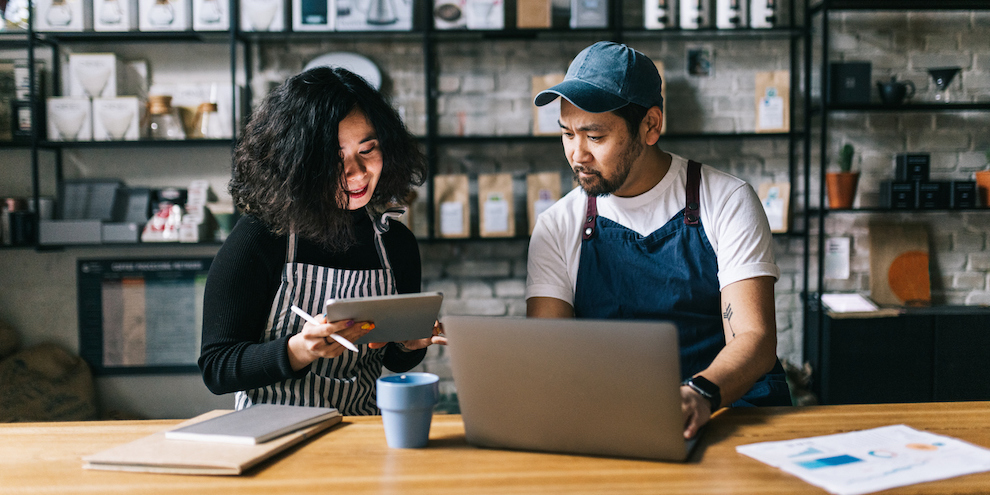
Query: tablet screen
x: 397, y: 318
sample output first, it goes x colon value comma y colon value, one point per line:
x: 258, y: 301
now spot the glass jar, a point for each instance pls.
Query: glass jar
x: 207, y: 122
x: 59, y: 14
x: 161, y: 13
x: 163, y: 120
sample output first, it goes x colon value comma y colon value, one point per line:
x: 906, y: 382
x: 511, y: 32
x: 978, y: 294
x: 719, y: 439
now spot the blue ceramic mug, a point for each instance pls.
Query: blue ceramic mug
x: 407, y: 401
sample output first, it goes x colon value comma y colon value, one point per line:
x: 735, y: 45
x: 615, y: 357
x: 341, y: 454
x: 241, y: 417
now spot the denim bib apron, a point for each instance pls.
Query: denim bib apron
x: 348, y: 381
x: 670, y: 274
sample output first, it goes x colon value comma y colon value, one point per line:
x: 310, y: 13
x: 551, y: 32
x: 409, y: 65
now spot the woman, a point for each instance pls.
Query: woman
x: 320, y: 162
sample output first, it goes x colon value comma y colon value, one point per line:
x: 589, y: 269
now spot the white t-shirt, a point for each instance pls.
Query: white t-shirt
x: 731, y: 214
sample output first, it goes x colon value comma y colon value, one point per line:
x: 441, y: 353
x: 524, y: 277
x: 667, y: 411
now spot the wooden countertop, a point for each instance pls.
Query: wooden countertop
x: 352, y: 457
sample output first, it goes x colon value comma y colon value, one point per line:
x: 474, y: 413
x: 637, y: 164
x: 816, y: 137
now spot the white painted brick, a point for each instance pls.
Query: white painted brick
x: 979, y: 262
x: 970, y: 281
x: 969, y: 241
x: 938, y: 140
x: 475, y: 289
x: 949, y: 261
x: 479, y: 269
x: 449, y: 84
x: 432, y: 270
x: 447, y: 286
x: 978, y: 299
x: 510, y: 288
x: 475, y: 307
x: 519, y: 269
x: 477, y: 83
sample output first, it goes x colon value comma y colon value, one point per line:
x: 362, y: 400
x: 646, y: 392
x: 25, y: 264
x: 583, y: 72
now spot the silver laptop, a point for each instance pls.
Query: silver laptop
x: 608, y: 388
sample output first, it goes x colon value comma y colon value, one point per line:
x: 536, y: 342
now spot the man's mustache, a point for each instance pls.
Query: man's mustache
x: 585, y: 170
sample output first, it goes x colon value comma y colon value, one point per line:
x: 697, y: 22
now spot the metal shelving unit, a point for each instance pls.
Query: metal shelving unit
x: 431, y: 39
x: 819, y: 108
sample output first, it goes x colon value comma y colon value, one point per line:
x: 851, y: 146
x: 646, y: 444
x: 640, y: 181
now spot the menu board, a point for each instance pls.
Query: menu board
x: 141, y: 315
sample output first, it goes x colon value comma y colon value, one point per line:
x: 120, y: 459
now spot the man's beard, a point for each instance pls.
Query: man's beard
x: 599, y: 185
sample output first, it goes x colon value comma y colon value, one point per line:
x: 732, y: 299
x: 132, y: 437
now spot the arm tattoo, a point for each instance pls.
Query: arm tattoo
x: 727, y: 314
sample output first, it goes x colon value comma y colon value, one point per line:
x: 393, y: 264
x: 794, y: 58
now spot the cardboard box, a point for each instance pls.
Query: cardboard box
x: 487, y: 14
x: 773, y: 95
x: 934, y: 195
x: 546, y: 119
x: 60, y: 232
x: 963, y: 194
x: 64, y: 15
x: 450, y: 14
x: 121, y: 233
x: 658, y: 14
x: 694, y: 14
x: 850, y: 83
x: 898, y: 195
x: 379, y: 15
x: 69, y: 119
x: 133, y: 205
x: 263, y: 15
x: 314, y: 15
x: 116, y: 119
x: 588, y: 14
x: 94, y: 75
x: 762, y: 14
x: 115, y: 15
x: 534, y: 14
x: 912, y: 167
x: 210, y: 15
x: 164, y: 15
x: 729, y: 14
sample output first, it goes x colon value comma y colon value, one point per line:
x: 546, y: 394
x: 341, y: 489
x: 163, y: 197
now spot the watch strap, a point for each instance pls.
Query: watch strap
x: 705, y: 388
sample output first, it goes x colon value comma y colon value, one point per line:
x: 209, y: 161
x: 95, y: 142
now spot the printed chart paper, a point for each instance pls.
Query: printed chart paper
x: 868, y: 461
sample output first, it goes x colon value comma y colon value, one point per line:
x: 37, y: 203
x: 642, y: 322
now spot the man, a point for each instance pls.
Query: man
x: 650, y: 235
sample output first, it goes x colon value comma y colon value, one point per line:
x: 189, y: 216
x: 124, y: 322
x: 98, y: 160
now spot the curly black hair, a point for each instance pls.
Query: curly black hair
x: 287, y: 168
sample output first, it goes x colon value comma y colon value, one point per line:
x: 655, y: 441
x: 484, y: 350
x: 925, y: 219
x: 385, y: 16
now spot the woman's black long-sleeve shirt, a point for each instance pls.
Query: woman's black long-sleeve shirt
x: 241, y: 286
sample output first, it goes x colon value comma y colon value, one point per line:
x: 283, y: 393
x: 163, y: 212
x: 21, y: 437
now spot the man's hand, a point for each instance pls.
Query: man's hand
x: 696, y: 409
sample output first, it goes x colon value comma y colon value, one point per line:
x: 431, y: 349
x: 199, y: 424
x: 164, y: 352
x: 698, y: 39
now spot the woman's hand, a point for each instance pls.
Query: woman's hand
x: 314, y: 341
x: 438, y: 338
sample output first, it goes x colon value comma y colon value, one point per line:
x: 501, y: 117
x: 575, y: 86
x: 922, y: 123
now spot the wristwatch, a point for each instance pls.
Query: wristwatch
x: 706, y: 389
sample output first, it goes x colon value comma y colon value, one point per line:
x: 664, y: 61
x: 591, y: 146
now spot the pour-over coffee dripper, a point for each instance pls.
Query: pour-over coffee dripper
x: 941, y: 80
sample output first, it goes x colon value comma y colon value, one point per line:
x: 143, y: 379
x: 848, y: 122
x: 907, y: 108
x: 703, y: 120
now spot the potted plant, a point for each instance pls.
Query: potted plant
x: 983, y: 184
x: 841, y: 185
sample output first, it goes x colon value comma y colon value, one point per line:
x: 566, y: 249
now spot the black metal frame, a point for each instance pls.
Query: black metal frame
x: 814, y: 314
x: 430, y: 39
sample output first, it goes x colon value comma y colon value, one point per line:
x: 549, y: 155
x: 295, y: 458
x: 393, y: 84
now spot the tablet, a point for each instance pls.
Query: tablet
x: 397, y: 317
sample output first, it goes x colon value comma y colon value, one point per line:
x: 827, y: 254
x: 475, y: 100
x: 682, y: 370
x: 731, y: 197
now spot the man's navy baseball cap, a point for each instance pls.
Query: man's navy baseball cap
x: 607, y: 76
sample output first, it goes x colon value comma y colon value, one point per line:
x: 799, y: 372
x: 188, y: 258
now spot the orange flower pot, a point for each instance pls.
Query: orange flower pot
x: 983, y: 187
x: 841, y: 187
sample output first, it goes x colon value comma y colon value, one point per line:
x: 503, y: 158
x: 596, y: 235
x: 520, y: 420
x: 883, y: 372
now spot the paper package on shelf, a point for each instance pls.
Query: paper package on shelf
x: 374, y: 15
x: 263, y: 15
x: 115, y: 15
x: 70, y: 119
x: 164, y: 15
x: 64, y: 15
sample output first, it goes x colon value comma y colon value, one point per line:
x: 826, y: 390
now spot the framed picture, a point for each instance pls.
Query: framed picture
x: 141, y: 315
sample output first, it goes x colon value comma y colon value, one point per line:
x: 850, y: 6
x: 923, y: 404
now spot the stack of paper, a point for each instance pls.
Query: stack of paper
x: 871, y: 460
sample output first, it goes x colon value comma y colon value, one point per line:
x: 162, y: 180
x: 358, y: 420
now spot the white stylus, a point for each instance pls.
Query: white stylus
x: 340, y: 340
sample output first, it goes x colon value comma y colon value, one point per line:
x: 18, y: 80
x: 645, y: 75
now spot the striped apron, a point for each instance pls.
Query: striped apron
x: 346, y: 382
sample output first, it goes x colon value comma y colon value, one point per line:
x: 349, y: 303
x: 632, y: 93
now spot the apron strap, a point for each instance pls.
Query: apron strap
x: 588, y: 230
x: 691, y: 190
x: 381, y: 226
x: 290, y: 253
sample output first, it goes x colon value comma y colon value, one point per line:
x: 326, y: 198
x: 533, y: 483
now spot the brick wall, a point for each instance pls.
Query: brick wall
x: 484, y: 89
x: 905, y: 45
